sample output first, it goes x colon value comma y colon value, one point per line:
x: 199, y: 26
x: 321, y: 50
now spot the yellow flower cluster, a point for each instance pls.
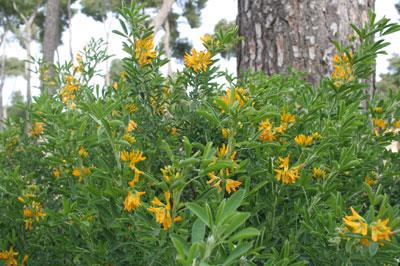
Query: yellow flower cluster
x: 241, y: 96
x: 284, y: 173
x: 144, y: 50
x: 80, y: 172
x: 170, y: 174
x: 215, y: 181
x: 269, y: 133
x: 68, y: 92
x: 379, y: 123
x: 317, y: 172
x: 37, y: 129
x: 342, y: 69
x: 131, y: 107
x: 379, y: 229
x: 80, y: 65
x: 82, y: 152
x: 162, y: 211
x: 198, y: 61
x: 132, y: 201
x: 8, y: 257
x: 303, y: 140
x: 31, y: 213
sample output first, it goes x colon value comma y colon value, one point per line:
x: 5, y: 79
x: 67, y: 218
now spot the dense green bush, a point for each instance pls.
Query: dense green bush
x: 157, y: 170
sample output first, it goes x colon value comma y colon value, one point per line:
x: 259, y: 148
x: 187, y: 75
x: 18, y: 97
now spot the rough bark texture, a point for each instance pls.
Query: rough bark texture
x: 298, y: 33
x: 51, y: 33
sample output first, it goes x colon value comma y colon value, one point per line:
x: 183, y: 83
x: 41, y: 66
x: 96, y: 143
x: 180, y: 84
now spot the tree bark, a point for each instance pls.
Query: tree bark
x: 162, y: 15
x: 298, y: 33
x: 51, y: 35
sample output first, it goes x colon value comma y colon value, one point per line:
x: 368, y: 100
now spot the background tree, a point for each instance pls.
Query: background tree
x: 390, y: 80
x: 16, y: 110
x: 280, y: 34
x: 51, y: 33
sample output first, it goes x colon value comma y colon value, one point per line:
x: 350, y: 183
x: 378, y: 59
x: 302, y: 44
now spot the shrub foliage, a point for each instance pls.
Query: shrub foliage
x: 186, y: 170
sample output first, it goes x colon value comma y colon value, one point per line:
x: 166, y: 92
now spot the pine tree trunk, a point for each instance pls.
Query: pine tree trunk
x: 298, y: 33
x: 51, y: 34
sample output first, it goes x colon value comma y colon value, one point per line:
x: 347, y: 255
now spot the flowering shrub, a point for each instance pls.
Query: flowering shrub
x: 158, y: 170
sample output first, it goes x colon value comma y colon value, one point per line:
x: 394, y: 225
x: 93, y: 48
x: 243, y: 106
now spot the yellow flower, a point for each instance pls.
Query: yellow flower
x: 129, y: 138
x: 173, y: 131
x: 303, y: 140
x: 21, y: 199
x: 281, y: 129
x: 162, y: 211
x: 144, y: 51
x: 380, y: 123
x: 231, y: 185
x: 28, y: 213
x: 284, y: 173
x: 318, y: 172
x: 170, y: 173
x: 265, y: 125
x: 132, y: 157
x: 131, y: 108
x: 56, y: 172
x: 8, y: 257
x: 132, y: 201
x: 223, y: 151
x: 131, y: 126
x: 76, y: 172
x: 37, y: 129
x: 316, y: 136
x: 198, y: 61
x: 365, y: 242
x: 396, y: 124
x: 356, y: 223
x: 342, y: 69
x: 225, y: 132
x: 206, y: 39
x: 377, y: 109
x: 380, y: 230
x: 267, y: 133
x: 370, y: 181
x: 115, y: 85
x: 137, y: 174
x: 82, y: 152
x: 214, y: 181
x: 288, y: 118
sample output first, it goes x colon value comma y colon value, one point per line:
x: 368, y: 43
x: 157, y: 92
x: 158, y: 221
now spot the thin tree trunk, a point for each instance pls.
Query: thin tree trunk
x: 278, y: 34
x: 51, y: 35
x: 166, y: 45
x: 2, y: 80
x: 71, y: 54
x: 28, y: 41
x: 107, y: 29
x: 162, y: 15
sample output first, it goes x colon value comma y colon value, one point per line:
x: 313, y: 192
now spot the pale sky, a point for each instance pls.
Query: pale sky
x: 84, y: 28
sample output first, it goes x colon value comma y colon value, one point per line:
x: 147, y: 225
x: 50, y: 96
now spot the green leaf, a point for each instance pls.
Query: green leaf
x: 198, y: 231
x: 231, y: 205
x: 180, y: 245
x: 237, y: 253
x: 234, y: 222
x: 199, y: 212
x: 245, y: 233
x: 373, y: 248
